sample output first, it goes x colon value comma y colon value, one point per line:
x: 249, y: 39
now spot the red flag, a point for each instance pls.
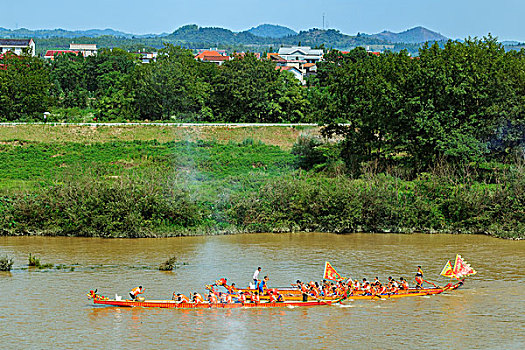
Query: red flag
x: 330, y: 273
x: 461, y: 268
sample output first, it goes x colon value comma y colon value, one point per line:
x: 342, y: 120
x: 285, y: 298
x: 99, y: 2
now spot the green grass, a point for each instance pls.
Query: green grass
x: 199, y: 164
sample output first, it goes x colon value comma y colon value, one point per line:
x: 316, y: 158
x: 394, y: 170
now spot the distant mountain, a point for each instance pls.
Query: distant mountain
x: 331, y: 38
x: 271, y: 31
x: 212, y: 36
x: 61, y: 33
x: 411, y: 36
x: 192, y: 36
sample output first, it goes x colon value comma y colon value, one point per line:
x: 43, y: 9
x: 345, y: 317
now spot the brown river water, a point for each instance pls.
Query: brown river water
x: 48, y: 309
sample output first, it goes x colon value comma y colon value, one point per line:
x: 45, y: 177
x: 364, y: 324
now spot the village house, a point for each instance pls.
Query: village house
x: 298, y: 74
x: 50, y: 54
x: 17, y: 46
x: 147, y: 57
x: 301, y: 53
x: 299, y: 60
x: 85, y: 49
x: 212, y: 56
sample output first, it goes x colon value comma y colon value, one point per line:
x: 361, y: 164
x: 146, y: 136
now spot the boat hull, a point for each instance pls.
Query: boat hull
x: 169, y: 304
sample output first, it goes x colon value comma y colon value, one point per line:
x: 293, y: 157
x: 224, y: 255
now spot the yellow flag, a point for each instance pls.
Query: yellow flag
x: 448, y: 271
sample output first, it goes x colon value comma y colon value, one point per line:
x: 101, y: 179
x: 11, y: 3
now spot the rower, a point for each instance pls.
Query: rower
x: 136, y: 291
x: 197, y: 298
x: 255, y: 297
x: 380, y: 289
x: 403, y: 283
x: 231, y: 289
x: 242, y: 298
x: 392, y: 288
x: 376, y: 281
x: 357, y: 286
x: 181, y: 298
x: 366, y: 287
x: 212, y: 298
x: 419, y: 278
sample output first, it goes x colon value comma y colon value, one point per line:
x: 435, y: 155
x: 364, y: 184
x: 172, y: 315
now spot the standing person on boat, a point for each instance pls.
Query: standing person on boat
x: 263, y: 285
x: 419, y: 278
x: 136, y: 291
x: 256, y: 276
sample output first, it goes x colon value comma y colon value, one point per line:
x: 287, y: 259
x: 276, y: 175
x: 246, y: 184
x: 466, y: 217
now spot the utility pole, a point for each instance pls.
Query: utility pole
x: 323, y: 20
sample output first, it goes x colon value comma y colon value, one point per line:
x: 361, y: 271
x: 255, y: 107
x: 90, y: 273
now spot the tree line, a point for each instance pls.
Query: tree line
x: 463, y: 102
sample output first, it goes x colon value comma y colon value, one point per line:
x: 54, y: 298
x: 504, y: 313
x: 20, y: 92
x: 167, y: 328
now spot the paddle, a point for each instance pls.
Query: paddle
x: 431, y: 283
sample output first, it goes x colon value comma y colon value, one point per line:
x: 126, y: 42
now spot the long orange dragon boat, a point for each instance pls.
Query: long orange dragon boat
x: 171, y: 304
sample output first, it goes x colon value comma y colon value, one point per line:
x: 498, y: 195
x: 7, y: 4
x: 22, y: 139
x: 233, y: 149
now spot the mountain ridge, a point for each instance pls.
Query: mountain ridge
x: 271, y: 31
x: 413, y: 35
x: 264, y: 31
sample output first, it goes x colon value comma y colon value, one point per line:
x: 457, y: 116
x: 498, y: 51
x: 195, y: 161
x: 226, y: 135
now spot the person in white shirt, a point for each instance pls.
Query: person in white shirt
x: 256, y: 277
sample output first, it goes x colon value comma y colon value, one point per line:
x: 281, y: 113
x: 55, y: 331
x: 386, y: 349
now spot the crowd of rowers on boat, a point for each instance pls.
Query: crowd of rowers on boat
x: 326, y: 290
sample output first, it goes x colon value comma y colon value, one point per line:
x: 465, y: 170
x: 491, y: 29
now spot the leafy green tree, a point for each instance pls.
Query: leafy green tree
x: 170, y: 87
x: 24, y: 87
x: 67, y: 75
x: 246, y: 89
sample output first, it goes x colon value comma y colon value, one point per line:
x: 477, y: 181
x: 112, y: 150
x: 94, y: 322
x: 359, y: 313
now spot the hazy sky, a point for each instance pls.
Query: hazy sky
x: 452, y: 18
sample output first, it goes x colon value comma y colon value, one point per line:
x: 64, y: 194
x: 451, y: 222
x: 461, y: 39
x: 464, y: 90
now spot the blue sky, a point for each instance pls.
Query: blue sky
x: 452, y: 18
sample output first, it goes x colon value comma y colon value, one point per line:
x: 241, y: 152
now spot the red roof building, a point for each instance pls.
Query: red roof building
x: 212, y: 57
x: 50, y: 54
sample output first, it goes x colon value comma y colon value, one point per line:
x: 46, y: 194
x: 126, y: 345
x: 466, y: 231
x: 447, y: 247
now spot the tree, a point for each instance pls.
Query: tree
x: 24, y: 87
x: 170, y: 87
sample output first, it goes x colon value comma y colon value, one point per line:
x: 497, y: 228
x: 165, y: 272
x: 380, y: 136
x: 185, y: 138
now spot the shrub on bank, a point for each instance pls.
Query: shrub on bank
x: 122, y: 208
x: 383, y: 204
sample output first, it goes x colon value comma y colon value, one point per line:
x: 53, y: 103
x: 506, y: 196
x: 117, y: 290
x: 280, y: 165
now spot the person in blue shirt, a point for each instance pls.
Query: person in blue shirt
x: 263, y: 284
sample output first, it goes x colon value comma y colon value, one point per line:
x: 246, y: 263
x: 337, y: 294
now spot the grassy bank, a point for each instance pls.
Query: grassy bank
x: 283, y: 137
x: 138, y: 188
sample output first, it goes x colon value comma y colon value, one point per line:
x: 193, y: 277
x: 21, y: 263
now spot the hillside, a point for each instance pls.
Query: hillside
x: 271, y: 31
x: 330, y: 38
x: 61, y: 33
x: 212, y: 36
x: 412, y: 36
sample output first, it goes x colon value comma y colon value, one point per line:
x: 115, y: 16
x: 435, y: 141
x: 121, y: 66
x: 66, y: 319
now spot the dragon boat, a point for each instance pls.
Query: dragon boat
x: 171, y: 304
x: 294, y: 294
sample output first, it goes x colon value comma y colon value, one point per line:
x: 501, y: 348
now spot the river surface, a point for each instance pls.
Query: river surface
x: 48, y: 309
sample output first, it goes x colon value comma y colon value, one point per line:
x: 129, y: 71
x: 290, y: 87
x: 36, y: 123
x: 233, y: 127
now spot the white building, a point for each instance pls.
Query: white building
x: 17, y: 46
x: 301, y: 53
x: 147, y: 57
x: 297, y: 73
x: 85, y: 49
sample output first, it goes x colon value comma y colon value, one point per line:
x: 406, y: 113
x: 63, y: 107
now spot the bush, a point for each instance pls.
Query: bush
x: 168, y: 265
x: 5, y: 263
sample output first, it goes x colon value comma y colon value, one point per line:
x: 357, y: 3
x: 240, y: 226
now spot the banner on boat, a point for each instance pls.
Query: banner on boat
x: 462, y: 268
x: 448, y: 271
x: 330, y: 273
